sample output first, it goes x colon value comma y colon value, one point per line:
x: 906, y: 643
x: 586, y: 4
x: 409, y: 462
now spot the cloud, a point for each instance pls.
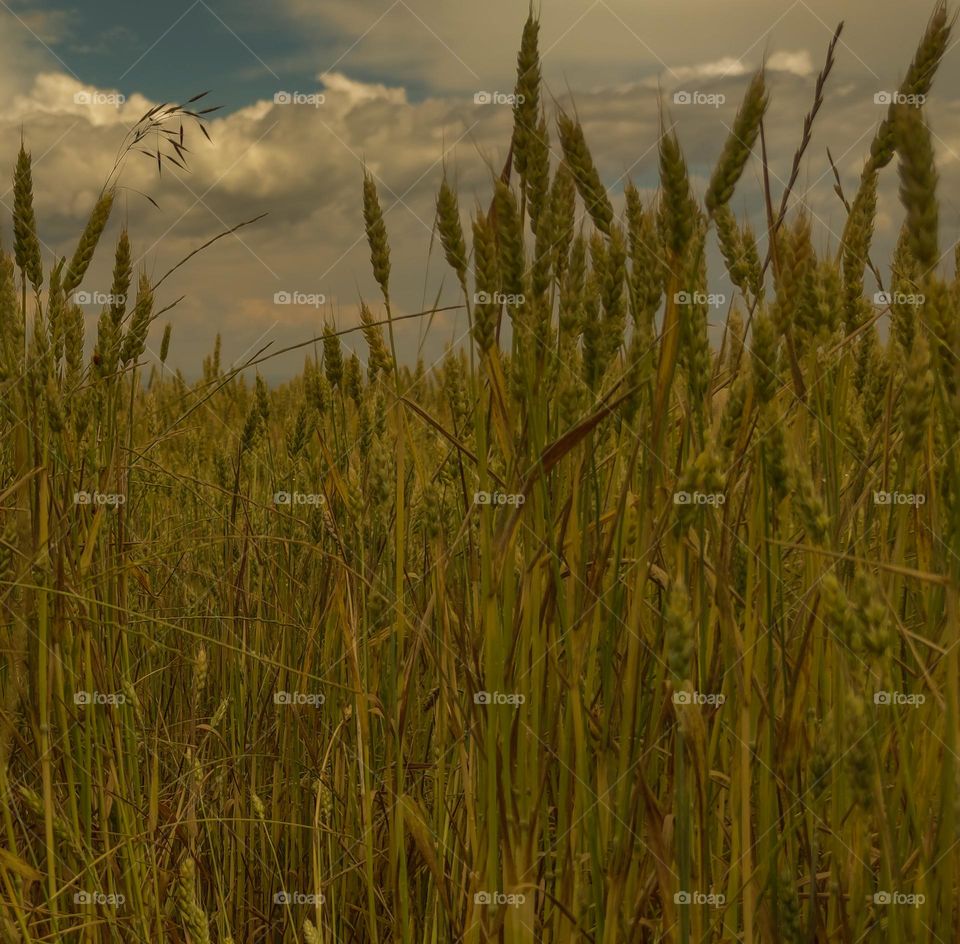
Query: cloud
x: 302, y: 164
x: 796, y: 63
x: 446, y: 48
x: 25, y: 39
x: 720, y: 69
x: 348, y: 93
x: 57, y: 94
x: 47, y: 26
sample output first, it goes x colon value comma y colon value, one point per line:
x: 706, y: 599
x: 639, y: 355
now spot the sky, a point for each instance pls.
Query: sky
x: 313, y: 91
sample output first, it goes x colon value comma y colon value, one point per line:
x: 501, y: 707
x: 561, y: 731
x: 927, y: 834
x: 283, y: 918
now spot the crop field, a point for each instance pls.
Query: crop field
x: 598, y: 631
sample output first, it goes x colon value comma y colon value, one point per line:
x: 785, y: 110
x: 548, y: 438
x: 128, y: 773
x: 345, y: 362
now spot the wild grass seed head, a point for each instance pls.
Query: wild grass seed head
x: 537, y: 188
x: 332, y: 356
x: 510, y: 244
x: 739, y: 144
x: 678, y: 210
x: 487, y: 282
x: 135, y: 340
x: 735, y: 339
x: 646, y: 263
x: 765, y: 358
x: 380, y: 360
x: 526, y: 108
x: 855, y: 248
x: 188, y: 908
x: 917, y: 398
x: 26, y: 243
x: 376, y: 231
x: 563, y: 209
x: 353, y: 379
x: 916, y: 85
x: 585, y: 175
x: 122, y: 277
x: 87, y: 245
x: 165, y: 342
x: 451, y: 232
x: 679, y: 633
x: 297, y: 433
x: 12, y: 330
x: 918, y: 186
x: 572, y: 289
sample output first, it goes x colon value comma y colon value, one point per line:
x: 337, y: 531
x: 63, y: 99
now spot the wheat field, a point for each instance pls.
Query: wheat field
x: 598, y: 631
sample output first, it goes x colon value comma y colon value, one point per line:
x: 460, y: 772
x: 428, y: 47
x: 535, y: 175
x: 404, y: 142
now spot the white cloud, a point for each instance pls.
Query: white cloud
x: 349, y: 92
x: 797, y: 63
x: 54, y: 93
x: 720, y: 69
